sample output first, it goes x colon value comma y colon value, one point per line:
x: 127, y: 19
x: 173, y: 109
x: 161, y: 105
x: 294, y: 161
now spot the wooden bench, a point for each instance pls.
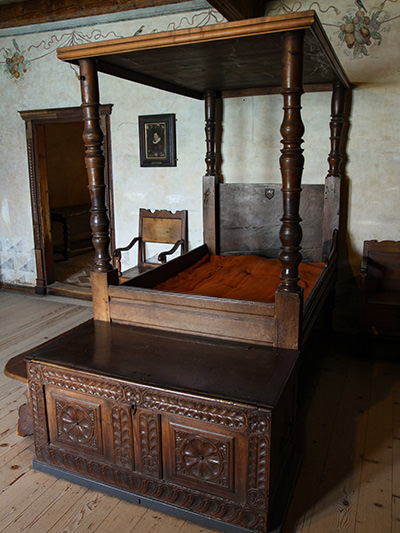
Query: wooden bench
x: 16, y: 369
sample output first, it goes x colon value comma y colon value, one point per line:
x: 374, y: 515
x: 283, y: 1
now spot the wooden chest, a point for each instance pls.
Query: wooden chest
x: 199, y: 426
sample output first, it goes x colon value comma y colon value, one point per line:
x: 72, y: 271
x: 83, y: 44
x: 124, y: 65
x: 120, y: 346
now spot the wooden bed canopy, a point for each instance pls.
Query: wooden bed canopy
x: 183, y: 399
x: 287, y: 54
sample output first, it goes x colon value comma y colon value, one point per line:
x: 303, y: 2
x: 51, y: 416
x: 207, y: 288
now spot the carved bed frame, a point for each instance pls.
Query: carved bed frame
x: 295, y: 48
x: 185, y: 401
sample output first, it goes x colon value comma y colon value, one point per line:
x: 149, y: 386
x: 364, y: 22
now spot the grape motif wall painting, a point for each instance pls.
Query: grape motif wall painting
x: 15, y: 64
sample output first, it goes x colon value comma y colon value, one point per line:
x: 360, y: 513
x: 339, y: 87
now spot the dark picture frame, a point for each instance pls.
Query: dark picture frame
x: 157, y: 140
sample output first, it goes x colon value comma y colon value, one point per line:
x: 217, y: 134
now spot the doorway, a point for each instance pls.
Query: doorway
x: 60, y: 198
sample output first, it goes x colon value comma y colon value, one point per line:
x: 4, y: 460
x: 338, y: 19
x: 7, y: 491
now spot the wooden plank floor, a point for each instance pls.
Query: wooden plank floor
x: 349, y: 480
x: 350, y: 477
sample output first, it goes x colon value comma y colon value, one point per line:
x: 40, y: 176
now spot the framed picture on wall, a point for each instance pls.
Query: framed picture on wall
x: 157, y: 140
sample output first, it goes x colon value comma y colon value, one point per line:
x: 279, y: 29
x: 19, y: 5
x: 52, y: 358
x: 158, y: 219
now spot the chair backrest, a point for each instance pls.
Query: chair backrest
x: 162, y: 227
x: 381, y: 264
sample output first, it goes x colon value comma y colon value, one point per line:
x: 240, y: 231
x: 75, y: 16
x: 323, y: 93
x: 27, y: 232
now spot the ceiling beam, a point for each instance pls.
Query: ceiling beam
x: 23, y: 13
x: 239, y: 9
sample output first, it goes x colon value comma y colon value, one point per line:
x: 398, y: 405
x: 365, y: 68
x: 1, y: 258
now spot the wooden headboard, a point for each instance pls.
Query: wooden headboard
x: 250, y: 216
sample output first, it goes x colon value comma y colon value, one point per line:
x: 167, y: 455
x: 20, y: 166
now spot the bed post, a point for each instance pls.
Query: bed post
x: 333, y: 179
x: 210, y: 180
x: 289, y: 296
x: 103, y: 271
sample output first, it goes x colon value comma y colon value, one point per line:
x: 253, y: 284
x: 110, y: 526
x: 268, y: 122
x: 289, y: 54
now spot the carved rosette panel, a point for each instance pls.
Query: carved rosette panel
x: 122, y: 436
x: 76, y: 424
x: 149, y: 442
x: 202, y: 459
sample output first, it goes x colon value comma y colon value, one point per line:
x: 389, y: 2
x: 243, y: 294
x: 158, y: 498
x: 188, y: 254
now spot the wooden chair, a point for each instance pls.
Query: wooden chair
x: 380, y: 287
x: 161, y: 227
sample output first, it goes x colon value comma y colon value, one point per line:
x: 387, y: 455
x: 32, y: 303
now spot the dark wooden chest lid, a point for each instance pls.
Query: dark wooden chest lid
x: 250, y: 374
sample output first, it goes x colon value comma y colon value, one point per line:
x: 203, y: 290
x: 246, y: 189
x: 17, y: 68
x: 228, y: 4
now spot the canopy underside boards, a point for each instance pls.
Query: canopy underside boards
x: 229, y: 58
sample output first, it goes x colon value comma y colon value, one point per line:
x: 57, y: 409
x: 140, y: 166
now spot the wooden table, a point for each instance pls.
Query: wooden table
x: 64, y: 216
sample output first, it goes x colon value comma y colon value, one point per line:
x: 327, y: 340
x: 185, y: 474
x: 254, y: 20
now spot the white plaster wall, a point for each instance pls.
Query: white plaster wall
x: 251, y: 140
x: 170, y: 188
x: 373, y: 147
x: 50, y: 83
x: 47, y: 83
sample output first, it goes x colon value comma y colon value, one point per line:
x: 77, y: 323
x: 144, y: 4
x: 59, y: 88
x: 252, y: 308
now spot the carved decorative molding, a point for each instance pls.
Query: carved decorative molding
x: 149, y: 436
x: 259, y: 460
x: 122, y: 435
x: 260, y: 423
x: 198, y: 409
x: 259, y: 453
x: 97, y: 387
x: 146, y: 398
x: 204, y: 457
x: 213, y: 506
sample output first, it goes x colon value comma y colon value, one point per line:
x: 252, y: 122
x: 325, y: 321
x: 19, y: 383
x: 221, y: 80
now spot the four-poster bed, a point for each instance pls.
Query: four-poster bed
x: 187, y: 397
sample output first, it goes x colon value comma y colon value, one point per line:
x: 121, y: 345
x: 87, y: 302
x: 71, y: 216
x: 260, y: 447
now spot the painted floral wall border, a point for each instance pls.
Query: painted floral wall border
x: 359, y: 29
x: 17, y: 61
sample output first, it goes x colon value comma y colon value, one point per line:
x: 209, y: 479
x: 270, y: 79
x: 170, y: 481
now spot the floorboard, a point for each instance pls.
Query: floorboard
x: 396, y: 461
x: 374, y: 504
x: 350, y: 476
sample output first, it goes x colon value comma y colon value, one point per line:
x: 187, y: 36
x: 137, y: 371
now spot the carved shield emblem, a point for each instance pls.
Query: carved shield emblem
x: 269, y: 193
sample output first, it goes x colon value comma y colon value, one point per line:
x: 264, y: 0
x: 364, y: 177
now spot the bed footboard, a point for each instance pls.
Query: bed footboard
x: 235, y: 320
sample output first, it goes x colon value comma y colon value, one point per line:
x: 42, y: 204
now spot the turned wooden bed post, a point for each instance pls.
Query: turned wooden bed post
x: 289, y: 296
x: 103, y: 272
x: 333, y: 180
x: 210, y: 180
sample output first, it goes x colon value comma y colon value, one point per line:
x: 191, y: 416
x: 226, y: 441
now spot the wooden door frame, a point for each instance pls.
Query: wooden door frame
x: 34, y: 125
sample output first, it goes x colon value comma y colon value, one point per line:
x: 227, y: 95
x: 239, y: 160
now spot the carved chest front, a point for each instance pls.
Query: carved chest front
x: 204, y: 455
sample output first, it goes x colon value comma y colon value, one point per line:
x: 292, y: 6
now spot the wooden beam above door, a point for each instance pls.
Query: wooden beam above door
x: 22, y: 13
x: 16, y: 13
